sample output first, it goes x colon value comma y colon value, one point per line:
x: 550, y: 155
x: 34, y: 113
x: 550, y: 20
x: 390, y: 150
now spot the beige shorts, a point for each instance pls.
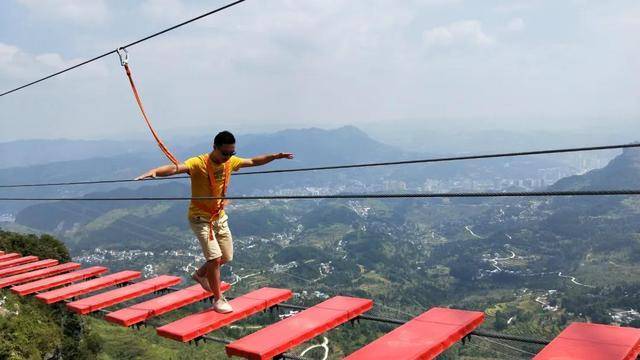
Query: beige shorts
x: 221, y: 245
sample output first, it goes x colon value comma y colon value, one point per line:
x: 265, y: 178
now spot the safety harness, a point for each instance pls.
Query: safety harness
x: 124, y: 61
x: 215, y: 210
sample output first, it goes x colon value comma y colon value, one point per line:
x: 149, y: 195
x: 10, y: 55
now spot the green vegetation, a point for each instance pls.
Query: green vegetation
x: 532, y: 265
x: 32, y: 330
x: 44, y: 246
x: 119, y: 343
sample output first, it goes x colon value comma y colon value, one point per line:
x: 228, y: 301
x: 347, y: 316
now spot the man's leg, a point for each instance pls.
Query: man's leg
x: 212, y: 267
x: 223, y: 242
x: 213, y: 275
x: 202, y: 270
x: 210, y: 250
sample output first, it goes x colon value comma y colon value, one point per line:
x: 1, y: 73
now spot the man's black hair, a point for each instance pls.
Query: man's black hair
x: 223, y: 138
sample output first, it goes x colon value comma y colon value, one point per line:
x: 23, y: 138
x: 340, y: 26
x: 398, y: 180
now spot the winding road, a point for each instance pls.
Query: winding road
x: 240, y: 278
x: 468, y: 228
x: 495, y: 260
x: 324, y: 345
x: 573, y: 280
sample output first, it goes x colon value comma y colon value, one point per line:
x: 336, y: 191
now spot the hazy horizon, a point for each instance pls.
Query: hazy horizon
x: 513, y: 66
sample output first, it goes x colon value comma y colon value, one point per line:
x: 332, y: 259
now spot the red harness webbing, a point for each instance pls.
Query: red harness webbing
x: 219, y: 203
x: 164, y: 149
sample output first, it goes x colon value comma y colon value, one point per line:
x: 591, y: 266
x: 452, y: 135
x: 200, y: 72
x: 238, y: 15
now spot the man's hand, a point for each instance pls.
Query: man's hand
x: 151, y: 174
x: 284, y: 156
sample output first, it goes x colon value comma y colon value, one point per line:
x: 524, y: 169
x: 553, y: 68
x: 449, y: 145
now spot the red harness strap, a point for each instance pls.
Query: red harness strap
x: 215, y: 210
x: 164, y: 149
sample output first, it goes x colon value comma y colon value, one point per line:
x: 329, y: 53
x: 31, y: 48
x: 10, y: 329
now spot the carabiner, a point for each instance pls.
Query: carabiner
x: 124, y: 56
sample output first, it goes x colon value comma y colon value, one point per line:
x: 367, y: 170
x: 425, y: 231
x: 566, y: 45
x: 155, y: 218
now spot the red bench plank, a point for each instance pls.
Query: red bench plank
x: 424, y: 337
x: 86, y: 287
x: 160, y: 305
x: 593, y: 342
x: 38, y: 274
x: 8, y: 256
x: 18, y: 261
x: 28, y: 267
x: 106, y: 299
x: 293, y: 331
x: 201, y: 323
x: 55, y: 281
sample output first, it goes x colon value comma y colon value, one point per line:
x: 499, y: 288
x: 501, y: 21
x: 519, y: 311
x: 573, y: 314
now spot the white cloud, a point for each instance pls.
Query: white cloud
x: 615, y: 18
x: 16, y: 63
x: 77, y: 11
x: 468, y: 32
x: 8, y: 55
x: 330, y: 62
x: 516, y: 24
x: 13, y: 61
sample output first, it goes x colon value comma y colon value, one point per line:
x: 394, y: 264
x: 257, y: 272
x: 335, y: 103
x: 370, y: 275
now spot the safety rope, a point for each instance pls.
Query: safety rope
x: 124, y: 61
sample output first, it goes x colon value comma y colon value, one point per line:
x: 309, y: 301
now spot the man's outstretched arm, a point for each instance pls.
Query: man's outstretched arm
x: 162, y: 171
x: 265, y: 159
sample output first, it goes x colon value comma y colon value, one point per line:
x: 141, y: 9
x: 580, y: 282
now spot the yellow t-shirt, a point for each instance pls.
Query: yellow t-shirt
x: 200, y: 185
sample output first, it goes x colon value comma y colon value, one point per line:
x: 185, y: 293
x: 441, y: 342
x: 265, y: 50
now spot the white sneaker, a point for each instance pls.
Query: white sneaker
x: 222, y: 306
x: 202, y: 280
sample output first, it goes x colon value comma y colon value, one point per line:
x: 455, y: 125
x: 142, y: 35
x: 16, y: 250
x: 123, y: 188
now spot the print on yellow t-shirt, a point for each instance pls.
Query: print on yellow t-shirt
x: 200, y: 186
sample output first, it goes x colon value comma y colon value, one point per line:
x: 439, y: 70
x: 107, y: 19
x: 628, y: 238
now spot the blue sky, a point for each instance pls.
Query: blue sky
x: 517, y: 65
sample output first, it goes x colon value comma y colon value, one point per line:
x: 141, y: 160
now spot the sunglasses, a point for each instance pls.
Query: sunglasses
x: 227, y: 154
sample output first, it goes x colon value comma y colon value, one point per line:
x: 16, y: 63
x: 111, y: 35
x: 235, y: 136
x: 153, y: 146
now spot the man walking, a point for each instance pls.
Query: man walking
x: 210, y: 174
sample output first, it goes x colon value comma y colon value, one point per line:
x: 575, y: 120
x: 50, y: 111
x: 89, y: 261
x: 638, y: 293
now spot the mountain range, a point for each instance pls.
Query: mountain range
x: 312, y: 147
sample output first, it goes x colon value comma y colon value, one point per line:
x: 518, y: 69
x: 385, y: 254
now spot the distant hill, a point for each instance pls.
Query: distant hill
x: 34, y: 152
x: 315, y: 146
x: 132, y: 223
x: 623, y: 172
x: 97, y: 168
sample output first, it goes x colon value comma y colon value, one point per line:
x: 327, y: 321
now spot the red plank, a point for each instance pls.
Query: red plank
x: 201, y: 323
x: 8, y: 256
x: 86, y: 287
x: 18, y: 261
x: 593, y: 342
x: 28, y: 267
x: 106, y: 299
x: 38, y: 274
x: 55, y: 281
x: 160, y: 305
x: 424, y: 337
x: 303, y: 326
